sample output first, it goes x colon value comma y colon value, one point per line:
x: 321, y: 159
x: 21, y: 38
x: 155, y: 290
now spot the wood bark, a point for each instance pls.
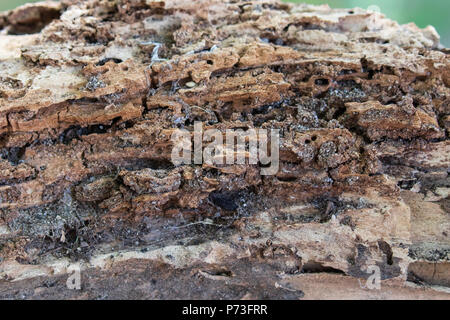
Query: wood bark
x: 91, y: 92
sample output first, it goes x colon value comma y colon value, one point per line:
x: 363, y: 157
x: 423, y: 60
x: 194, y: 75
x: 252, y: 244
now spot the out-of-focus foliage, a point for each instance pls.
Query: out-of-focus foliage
x: 422, y: 12
x: 10, y: 4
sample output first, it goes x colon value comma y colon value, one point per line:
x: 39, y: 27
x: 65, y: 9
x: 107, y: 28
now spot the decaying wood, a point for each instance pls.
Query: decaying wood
x: 91, y: 91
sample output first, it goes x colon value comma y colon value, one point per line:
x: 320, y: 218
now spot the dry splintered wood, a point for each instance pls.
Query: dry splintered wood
x: 91, y: 91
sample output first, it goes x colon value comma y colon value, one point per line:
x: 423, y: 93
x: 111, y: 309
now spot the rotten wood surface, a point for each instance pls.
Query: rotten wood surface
x: 91, y: 91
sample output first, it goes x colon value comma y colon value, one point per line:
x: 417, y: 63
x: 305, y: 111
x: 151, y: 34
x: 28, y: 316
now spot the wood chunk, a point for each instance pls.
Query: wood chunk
x: 92, y: 92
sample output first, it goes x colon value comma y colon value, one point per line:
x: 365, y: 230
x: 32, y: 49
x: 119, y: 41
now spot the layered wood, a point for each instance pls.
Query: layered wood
x: 91, y: 91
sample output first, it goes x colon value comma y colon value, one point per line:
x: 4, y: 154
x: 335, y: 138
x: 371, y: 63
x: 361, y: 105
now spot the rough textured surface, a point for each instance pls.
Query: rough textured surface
x: 90, y: 92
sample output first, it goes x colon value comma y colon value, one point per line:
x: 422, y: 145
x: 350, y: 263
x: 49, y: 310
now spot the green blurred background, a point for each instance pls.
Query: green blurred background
x: 422, y: 12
